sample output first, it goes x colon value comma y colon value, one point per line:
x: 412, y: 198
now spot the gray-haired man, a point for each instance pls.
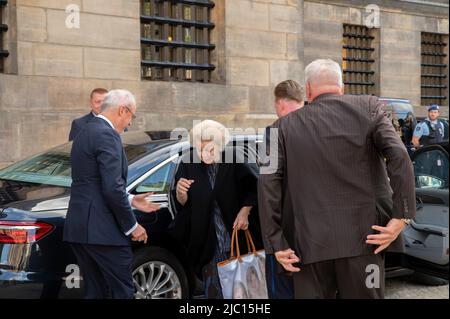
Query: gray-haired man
x: 100, y: 223
x: 334, y: 159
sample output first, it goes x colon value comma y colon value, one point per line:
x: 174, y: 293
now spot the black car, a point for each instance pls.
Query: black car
x: 34, y: 197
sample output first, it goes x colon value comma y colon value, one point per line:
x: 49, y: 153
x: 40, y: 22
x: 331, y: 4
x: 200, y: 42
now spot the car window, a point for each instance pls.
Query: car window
x: 159, y: 181
x: 53, y: 167
x: 431, y: 169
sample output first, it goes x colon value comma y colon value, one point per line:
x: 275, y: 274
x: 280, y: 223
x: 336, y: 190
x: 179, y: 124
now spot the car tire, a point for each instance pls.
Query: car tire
x: 427, y: 280
x: 165, y: 270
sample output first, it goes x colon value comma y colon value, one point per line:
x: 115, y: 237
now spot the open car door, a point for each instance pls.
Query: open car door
x: 426, y: 238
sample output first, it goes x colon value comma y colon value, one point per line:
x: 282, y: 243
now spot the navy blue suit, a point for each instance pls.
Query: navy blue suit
x: 78, y: 124
x: 99, y: 213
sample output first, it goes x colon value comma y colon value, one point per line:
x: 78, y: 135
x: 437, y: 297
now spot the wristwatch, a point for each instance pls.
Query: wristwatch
x: 407, y: 221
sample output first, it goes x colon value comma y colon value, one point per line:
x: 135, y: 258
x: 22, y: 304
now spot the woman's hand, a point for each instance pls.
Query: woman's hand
x: 241, y: 221
x: 183, y: 186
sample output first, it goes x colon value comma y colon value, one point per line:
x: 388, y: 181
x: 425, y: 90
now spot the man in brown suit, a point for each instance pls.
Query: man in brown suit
x: 332, y: 165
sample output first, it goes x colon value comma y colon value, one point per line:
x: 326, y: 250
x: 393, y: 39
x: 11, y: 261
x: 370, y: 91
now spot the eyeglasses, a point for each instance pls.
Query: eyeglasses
x: 133, y: 116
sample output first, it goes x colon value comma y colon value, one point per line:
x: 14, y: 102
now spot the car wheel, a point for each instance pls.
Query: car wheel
x: 157, y: 274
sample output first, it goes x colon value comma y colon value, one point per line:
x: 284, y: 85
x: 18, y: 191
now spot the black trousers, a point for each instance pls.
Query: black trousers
x: 359, y: 277
x: 106, y: 270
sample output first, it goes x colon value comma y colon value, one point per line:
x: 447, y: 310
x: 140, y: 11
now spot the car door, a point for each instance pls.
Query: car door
x: 156, y: 181
x: 426, y: 239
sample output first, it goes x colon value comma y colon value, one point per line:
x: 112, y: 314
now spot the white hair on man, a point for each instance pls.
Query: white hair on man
x: 324, y: 72
x: 116, y: 98
x: 210, y: 131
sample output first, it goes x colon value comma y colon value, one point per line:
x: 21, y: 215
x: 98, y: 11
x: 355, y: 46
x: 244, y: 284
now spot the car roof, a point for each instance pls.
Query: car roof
x: 391, y: 99
x: 162, y: 138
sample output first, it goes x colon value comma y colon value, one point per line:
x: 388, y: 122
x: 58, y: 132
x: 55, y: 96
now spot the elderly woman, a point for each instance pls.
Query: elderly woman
x: 214, y: 198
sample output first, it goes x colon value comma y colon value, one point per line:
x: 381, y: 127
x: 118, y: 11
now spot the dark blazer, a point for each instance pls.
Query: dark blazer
x: 334, y: 159
x: 235, y: 187
x: 78, y: 124
x: 99, y: 211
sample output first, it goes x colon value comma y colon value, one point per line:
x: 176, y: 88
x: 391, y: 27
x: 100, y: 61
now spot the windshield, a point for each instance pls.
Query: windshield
x: 53, y: 167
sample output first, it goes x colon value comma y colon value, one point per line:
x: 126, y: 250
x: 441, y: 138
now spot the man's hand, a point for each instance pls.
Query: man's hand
x: 142, y: 204
x: 286, y: 258
x: 183, y: 186
x: 139, y: 234
x: 387, y: 234
x: 241, y: 221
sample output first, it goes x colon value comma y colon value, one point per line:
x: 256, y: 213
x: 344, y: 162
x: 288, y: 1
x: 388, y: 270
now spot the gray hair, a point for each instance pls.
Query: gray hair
x: 324, y: 71
x: 209, y: 130
x: 116, y: 98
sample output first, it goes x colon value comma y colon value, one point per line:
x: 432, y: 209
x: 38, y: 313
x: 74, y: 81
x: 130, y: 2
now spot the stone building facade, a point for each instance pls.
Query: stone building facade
x: 51, y: 68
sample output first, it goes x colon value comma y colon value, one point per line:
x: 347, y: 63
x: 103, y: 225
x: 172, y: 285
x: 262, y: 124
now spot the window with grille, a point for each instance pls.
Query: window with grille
x: 358, y: 63
x: 434, y: 69
x: 3, y: 28
x: 175, y: 40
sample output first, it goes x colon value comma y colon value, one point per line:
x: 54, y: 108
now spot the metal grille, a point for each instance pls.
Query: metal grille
x: 434, y: 69
x: 175, y: 37
x: 357, y: 60
x: 3, y: 28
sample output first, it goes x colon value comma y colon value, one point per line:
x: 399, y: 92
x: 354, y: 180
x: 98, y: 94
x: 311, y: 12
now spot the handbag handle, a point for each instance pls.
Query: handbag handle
x: 250, y: 243
x: 235, y: 243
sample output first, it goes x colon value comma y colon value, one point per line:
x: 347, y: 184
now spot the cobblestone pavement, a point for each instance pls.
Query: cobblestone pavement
x: 402, y: 288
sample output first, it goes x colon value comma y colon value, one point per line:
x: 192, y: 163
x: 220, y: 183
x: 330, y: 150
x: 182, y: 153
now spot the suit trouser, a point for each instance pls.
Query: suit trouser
x: 106, y: 270
x: 360, y: 277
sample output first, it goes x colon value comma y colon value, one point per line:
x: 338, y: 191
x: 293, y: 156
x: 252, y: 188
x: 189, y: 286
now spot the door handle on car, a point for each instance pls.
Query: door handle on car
x: 161, y: 199
x: 439, y: 231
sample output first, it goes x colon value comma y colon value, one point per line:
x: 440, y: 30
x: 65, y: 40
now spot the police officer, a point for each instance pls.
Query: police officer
x: 431, y: 131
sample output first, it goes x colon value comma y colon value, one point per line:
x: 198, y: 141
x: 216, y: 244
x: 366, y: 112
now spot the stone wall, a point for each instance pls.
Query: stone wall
x: 52, y: 69
x: 258, y: 43
x: 399, y: 47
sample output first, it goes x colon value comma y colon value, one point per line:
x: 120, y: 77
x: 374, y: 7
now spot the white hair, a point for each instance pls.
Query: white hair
x: 209, y: 130
x: 116, y: 98
x: 324, y: 72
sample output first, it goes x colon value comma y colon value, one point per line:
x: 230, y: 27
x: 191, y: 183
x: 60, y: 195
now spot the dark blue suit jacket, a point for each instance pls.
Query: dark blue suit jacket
x: 99, y: 211
x: 78, y: 124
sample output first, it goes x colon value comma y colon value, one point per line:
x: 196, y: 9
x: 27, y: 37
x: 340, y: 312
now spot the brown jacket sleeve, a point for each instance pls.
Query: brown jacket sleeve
x: 399, y: 165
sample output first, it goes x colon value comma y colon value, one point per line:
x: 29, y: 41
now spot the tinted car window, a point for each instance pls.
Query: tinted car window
x: 159, y: 181
x: 53, y: 167
x: 431, y: 169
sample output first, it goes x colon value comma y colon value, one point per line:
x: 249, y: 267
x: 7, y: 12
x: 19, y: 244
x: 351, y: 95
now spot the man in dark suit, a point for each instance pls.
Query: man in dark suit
x: 289, y: 97
x: 99, y: 220
x: 95, y: 101
x: 333, y: 161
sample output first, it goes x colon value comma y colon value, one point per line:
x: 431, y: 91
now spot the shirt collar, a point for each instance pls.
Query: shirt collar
x: 432, y: 122
x: 106, y: 119
x: 94, y: 114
